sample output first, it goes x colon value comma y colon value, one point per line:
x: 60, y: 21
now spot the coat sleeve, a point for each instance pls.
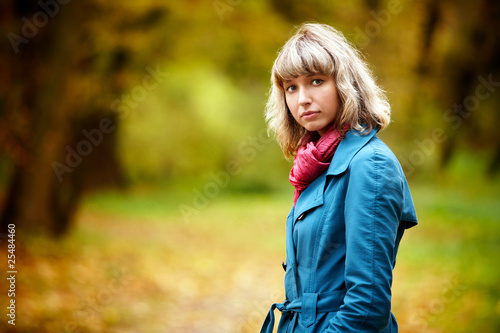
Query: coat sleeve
x: 373, y: 206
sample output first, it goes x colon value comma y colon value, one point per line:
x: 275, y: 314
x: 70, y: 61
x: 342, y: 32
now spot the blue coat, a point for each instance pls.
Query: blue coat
x: 342, y: 238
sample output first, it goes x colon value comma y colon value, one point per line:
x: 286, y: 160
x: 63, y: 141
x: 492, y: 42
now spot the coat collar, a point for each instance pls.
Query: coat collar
x: 348, y: 147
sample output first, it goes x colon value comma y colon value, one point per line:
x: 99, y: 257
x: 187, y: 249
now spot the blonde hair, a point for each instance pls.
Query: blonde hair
x: 319, y: 48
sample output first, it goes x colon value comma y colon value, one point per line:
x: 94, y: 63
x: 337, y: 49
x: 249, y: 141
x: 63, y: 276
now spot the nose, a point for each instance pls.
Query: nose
x: 304, y: 97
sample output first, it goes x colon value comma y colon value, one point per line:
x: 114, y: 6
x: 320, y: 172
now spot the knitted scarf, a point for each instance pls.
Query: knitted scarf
x: 313, y: 158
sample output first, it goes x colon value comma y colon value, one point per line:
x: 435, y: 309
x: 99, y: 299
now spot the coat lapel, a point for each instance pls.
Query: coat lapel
x: 311, y: 197
x: 348, y: 147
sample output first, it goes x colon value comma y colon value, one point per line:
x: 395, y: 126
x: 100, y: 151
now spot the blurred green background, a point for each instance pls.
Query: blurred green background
x: 145, y: 192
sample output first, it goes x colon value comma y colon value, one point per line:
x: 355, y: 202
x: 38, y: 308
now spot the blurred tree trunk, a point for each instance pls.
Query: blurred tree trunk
x: 39, y: 69
x: 417, y: 103
x: 41, y: 120
x: 471, y: 59
x: 491, y: 13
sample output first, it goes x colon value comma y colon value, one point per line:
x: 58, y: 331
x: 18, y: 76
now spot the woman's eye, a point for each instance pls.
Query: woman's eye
x: 317, y: 82
x: 291, y: 88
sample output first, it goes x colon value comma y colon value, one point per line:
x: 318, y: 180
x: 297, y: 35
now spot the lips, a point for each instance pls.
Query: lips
x: 309, y: 114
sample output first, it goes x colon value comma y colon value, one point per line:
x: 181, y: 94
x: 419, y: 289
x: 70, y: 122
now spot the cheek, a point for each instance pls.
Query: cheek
x: 287, y: 101
x: 333, y: 101
x: 294, y: 113
x: 291, y: 105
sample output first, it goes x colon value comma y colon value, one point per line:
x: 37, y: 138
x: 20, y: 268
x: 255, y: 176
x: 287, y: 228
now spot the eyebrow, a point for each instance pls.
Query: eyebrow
x: 307, y: 75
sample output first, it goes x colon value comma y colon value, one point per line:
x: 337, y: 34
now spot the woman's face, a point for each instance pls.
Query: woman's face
x: 313, y: 101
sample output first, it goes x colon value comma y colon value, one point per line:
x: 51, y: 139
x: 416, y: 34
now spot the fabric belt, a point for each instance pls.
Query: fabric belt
x: 309, y: 305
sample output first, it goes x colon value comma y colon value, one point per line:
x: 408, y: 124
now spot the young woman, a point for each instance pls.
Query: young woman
x: 352, y: 203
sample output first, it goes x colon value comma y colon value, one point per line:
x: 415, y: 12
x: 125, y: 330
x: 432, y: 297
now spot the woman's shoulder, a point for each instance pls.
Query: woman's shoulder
x: 360, y: 151
x: 375, y: 154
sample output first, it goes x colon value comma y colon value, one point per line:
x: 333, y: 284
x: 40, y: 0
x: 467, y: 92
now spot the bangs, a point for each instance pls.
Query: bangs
x: 302, y: 56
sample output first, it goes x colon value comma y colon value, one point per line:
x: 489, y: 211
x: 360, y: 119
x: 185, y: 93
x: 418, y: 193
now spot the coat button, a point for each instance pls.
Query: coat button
x: 283, y: 265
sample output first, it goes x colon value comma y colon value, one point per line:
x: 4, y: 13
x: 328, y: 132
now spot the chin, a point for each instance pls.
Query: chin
x: 314, y: 128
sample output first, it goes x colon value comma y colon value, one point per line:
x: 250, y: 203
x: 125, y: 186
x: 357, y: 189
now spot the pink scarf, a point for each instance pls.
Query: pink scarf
x: 313, y: 158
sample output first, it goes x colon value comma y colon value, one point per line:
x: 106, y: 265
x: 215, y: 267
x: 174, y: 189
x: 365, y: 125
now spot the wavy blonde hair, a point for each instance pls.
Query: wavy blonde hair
x: 320, y: 49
